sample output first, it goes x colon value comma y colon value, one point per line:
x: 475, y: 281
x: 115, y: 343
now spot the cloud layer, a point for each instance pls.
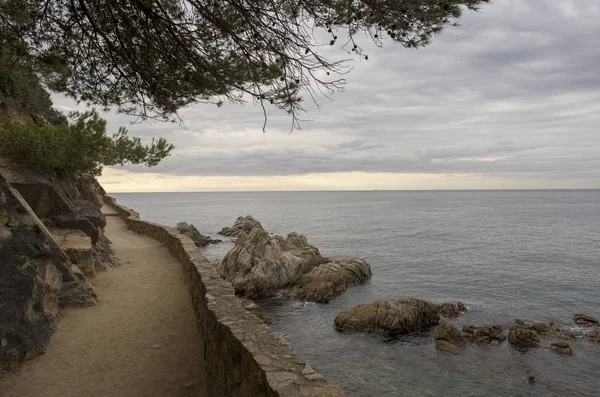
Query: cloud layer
x: 513, y: 94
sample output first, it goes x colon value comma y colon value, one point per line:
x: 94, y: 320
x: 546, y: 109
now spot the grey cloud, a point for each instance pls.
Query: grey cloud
x: 513, y: 91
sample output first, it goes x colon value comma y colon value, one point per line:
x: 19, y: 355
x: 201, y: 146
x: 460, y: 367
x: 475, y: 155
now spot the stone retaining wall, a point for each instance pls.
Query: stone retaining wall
x: 243, y: 356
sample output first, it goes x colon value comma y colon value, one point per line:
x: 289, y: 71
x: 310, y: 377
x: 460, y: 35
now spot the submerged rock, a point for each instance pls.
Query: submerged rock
x: 325, y: 282
x: 395, y: 316
x: 523, y: 336
x: 529, y: 377
x: 584, y: 319
x: 193, y: 233
x: 452, y: 309
x: 243, y: 224
x: 562, y: 347
x: 259, y: 264
x: 483, y: 334
x: 593, y: 336
x: 448, y: 338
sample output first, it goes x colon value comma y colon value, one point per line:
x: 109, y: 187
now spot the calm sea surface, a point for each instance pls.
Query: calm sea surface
x: 533, y: 255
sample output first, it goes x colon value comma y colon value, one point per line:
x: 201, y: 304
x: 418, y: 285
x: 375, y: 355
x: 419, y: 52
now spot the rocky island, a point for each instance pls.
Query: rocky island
x: 260, y: 264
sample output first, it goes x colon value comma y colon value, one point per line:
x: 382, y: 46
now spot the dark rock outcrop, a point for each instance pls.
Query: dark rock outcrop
x: 562, y: 347
x: 243, y: 224
x: 483, y: 334
x: 259, y: 264
x: 584, y: 319
x: 448, y: 338
x: 192, y: 232
x: 103, y: 254
x: 61, y: 202
x: 396, y: 316
x: 452, y: 309
x: 36, y: 277
x: 523, y: 336
x: 325, y: 282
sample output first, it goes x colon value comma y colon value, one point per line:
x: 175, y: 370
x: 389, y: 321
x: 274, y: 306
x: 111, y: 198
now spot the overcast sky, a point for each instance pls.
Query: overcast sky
x: 511, y: 99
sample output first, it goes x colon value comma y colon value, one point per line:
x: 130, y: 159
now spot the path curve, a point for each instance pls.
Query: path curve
x: 140, y: 340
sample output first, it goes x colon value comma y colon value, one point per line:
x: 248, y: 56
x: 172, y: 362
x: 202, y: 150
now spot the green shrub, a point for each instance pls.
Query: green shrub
x: 81, y: 146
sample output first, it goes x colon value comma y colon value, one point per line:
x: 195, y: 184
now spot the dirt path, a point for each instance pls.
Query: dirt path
x: 140, y: 340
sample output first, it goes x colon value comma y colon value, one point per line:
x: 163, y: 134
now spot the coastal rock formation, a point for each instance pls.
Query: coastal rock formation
x: 60, y: 202
x: 36, y: 278
x: 448, y: 338
x: 583, y: 319
x: 555, y: 329
x: 193, y: 233
x: 452, y: 309
x: 78, y: 247
x: 523, y: 336
x: 395, y: 316
x: 259, y: 264
x: 562, y: 347
x: 483, y: 334
x: 243, y: 224
x: 327, y: 281
x: 593, y: 336
x: 540, y: 327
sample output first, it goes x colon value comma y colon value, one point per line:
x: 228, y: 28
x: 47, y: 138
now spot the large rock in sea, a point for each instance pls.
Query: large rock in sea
x: 325, y: 282
x: 448, y: 338
x: 584, y: 319
x: 395, y: 316
x: 243, y: 224
x: 259, y: 264
x: 483, y: 334
x: 36, y: 277
x: 192, y: 232
x: 523, y: 336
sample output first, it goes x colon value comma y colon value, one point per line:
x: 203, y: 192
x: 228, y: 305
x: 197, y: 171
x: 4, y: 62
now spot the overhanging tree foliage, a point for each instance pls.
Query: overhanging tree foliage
x: 153, y: 57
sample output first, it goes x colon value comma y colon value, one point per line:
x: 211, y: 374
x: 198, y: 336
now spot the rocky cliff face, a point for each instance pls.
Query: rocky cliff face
x: 50, y: 235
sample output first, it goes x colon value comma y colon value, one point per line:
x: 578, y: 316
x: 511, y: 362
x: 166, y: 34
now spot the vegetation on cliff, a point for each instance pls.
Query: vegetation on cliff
x: 78, y: 147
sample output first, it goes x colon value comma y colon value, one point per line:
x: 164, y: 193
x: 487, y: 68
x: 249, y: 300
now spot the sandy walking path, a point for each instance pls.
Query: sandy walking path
x: 140, y: 340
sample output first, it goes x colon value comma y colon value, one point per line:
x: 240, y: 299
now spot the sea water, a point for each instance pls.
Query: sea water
x: 532, y: 255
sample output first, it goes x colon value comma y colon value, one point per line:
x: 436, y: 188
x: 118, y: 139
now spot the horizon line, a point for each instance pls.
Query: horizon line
x: 357, y: 190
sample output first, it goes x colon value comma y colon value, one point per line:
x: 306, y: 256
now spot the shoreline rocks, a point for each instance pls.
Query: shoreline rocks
x: 584, y: 319
x: 483, y: 334
x: 395, y: 316
x: 243, y: 224
x: 523, y: 336
x: 329, y: 280
x: 562, y: 347
x: 448, y: 338
x: 192, y: 232
x: 593, y: 336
